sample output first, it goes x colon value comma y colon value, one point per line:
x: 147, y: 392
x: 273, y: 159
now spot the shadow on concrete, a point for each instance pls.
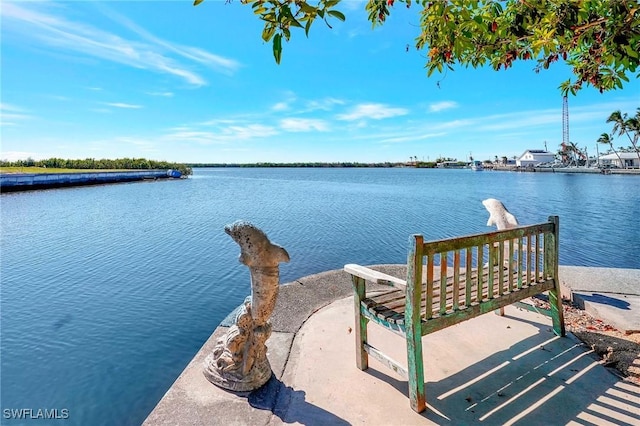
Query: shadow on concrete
x: 602, y: 300
x: 277, y: 397
x: 539, y: 381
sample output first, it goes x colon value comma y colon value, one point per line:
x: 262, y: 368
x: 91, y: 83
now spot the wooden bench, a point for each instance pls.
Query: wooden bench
x: 477, y: 274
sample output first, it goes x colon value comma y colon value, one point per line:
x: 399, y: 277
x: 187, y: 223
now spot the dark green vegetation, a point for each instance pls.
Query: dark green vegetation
x: 413, y: 162
x: 103, y: 164
x: 598, y: 39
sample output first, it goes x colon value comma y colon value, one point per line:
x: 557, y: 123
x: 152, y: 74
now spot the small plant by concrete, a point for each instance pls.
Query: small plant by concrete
x: 239, y: 361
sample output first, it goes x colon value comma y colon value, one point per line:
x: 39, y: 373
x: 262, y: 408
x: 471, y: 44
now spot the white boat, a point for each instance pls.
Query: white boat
x: 477, y: 166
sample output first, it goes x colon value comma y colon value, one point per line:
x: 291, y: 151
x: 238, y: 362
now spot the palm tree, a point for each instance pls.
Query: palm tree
x: 618, y: 119
x: 606, y: 139
x: 624, y: 126
x: 632, y: 125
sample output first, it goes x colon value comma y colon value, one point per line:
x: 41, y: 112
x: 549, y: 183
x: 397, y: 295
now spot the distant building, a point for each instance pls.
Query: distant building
x: 531, y: 157
x: 629, y: 160
x: 504, y: 161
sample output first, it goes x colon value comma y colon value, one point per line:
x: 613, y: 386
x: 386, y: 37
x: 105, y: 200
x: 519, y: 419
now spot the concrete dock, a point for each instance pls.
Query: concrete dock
x: 488, y: 370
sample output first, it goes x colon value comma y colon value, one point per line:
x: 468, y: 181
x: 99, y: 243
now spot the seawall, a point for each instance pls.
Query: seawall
x: 30, y: 181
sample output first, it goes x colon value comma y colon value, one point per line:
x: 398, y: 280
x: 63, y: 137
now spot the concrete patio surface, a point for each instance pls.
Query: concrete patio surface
x: 491, y: 370
x: 488, y: 370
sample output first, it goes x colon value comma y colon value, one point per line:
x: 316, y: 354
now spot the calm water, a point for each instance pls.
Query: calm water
x: 109, y: 291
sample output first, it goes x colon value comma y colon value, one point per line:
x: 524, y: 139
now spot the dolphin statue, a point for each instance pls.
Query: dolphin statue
x: 262, y: 257
x: 499, y: 215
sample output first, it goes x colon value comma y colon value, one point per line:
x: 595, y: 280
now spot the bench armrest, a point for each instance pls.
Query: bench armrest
x: 375, y: 276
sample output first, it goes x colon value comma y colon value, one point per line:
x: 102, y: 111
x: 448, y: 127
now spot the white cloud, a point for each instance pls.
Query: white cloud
x: 250, y: 131
x: 221, y: 134
x: 303, y: 125
x: 289, y: 99
x: 454, y: 124
x: 374, y: 111
x: 441, y: 106
x: 10, y: 115
x: 217, y: 62
x: 141, y: 143
x: 18, y: 155
x: 412, y: 138
x: 122, y: 105
x: 8, y: 107
x: 152, y: 54
x: 219, y: 121
x: 325, y: 104
x: 163, y: 94
x: 354, y: 5
x: 280, y: 106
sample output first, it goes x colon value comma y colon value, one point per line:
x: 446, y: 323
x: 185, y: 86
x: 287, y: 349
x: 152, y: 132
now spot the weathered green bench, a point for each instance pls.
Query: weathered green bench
x: 477, y: 274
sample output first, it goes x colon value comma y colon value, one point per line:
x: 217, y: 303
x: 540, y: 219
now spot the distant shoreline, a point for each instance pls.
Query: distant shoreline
x: 488, y: 168
x: 305, y: 165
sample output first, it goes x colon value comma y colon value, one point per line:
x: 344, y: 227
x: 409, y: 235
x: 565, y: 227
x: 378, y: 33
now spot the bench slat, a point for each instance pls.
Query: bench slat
x: 391, y: 306
x: 396, y: 316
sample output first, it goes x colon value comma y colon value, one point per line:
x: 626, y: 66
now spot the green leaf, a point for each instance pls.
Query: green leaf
x: 306, y: 27
x: 292, y: 22
x: 631, y: 51
x: 268, y: 32
x: 307, y: 8
x: 197, y: 2
x: 269, y: 17
x: 336, y: 14
x: 277, y: 48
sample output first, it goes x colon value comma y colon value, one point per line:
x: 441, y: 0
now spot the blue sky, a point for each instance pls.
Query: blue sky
x: 169, y: 81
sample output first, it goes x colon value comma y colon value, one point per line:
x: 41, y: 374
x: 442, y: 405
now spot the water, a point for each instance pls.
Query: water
x: 109, y: 291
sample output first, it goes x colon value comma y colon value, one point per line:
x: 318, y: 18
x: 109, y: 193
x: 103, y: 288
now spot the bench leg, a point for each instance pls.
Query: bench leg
x: 362, y: 358
x: 557, y: 312
x: 415, y: 370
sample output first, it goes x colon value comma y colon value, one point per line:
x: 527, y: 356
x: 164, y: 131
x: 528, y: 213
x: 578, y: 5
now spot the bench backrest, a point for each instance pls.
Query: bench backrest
x: 480, y: 267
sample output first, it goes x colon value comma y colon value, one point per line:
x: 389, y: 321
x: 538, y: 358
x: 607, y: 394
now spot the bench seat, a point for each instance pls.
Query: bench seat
x: 390, y: 306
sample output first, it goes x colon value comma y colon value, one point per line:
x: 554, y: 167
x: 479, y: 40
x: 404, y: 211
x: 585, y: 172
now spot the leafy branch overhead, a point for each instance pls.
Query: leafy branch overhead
x: 598, y: 39
x: 280, y: 16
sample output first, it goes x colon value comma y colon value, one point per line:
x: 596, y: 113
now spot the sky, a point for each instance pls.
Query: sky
x: 168, y: 81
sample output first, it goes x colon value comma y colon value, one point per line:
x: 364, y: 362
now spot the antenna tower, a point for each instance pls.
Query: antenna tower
x: 565, y: 120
